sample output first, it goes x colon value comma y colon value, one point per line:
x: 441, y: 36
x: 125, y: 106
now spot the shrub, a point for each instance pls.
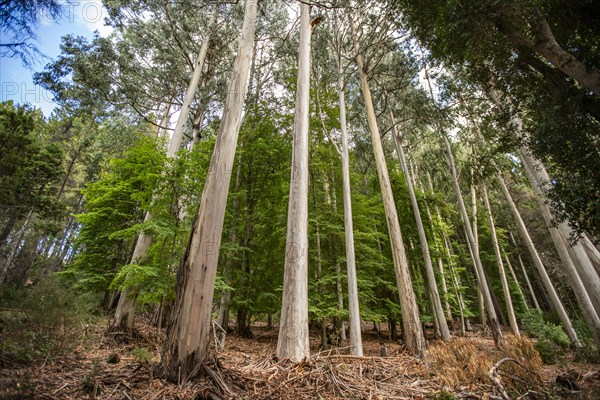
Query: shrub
x: 537, y: 327
x: 589, y: 352
x: 41, y: 321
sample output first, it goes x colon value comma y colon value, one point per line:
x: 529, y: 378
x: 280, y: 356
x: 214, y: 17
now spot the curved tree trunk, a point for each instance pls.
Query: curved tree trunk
x: 188, y: 337
x: 292, y: 342
x: 546, y: 46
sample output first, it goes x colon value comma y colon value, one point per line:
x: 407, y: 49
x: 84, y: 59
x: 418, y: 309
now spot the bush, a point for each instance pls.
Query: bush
x: 41, y: 321
x: 552, y: 339
x: 589, y: 352
x: 537, y: 327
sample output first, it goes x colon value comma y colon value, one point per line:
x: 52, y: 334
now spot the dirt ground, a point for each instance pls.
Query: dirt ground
x: 116, y: 366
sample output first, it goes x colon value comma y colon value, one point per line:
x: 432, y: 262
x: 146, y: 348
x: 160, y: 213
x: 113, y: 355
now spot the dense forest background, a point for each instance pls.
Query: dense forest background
x: 326, y: 167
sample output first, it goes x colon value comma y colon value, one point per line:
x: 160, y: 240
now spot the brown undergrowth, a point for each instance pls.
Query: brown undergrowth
x: 106, y: 367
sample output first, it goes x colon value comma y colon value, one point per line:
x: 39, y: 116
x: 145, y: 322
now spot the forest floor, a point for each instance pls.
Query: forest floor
x: 115, y: 366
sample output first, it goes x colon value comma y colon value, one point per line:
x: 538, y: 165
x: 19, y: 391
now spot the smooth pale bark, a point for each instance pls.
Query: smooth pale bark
x: 545, y: 45
x: 125, y: 312
x: 514, y: 276
x: 579, y: 289
x: 353, y: 305
x: 338, y: 270
x: 319, y: 265
x: 481, y: 278
x: 505, y: 289
x: 579, y: 255
x: 436, y: 302
x: 413, y: 332
x: 15, y: 246
x: 188, y: 337
x: 293, y: 337
x: 439, y: 259
x: 464, y: 322
x: 474, y: 247
x: 528, y: 282
x: 539, y: 265
x: 223, y: 319
x: 592, y: 252
x: 190, y: 93
x: 164, y: 121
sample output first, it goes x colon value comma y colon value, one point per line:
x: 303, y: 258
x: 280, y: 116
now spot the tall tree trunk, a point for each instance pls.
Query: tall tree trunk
x: 164, y: 121
x: 583, y: 298
x: 412, y: 329
x: 440, y: 261
x: 505, y: 289
x: 353, y: 305
x: 579, y: 253
x: 293, y: 326
x: 436, y: 303
x: 481, y: 278
x: 188, y: 336
x: 514, y: 276
x: 341, y: 324
x: 125, y: 312
x: 475, y: 248
x: 511, y: 204
x: 319, y: 264
x: 464, y: 322
x: 190, y: 93
x: 529, y: 286
x: 224, y: 303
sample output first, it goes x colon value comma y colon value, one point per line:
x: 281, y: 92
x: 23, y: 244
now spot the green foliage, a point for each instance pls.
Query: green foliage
x: 589, y: 351
x: 30, y: 166
x: 141, y: 354
x: 114, y: 203
x: 43, y: 320
x: 552, y: 339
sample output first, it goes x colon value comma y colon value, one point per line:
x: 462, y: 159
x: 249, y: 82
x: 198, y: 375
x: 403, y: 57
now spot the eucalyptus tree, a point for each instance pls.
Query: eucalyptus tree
x: 583, y: 297
x: 438, y: 311
x: 413, y: 333
x: 187, y: 343
x: 125, y: 312
x: 506, y: 46
x: 523, y: 232
x: 353, y: 304
x: 505, y: 289
x: 293, y: 341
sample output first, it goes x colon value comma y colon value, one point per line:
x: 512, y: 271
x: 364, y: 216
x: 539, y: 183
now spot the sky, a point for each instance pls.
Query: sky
x: 79, y: 17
